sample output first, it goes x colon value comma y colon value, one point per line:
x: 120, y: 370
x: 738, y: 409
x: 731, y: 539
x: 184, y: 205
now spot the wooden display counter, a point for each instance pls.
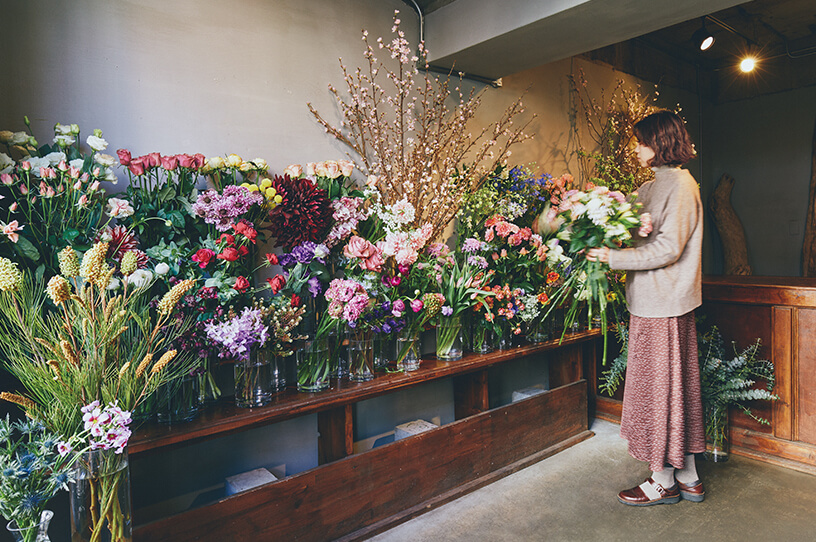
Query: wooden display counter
x: 351, y: 496
x: 781, y: 312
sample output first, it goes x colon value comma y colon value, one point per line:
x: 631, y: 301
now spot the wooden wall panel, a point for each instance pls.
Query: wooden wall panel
x: 782, y: 356
x: 806, y: 385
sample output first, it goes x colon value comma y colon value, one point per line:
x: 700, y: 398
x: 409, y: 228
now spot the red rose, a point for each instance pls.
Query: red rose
x: 246, y: 230
x: 271, y: 259
x: 243, y: 251
x: 124, y: 156
x: 228, y: 238
x: 203, y: 256
x: 185, y: 160
x: 136, y: 166
x: 229, y: 254
x: 169, y: 163
x: 295, y: 301
x: 241, y: 284
x: 276, y: 283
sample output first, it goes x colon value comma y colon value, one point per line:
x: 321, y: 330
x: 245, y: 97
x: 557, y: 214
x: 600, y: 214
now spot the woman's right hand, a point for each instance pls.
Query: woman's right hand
x: 598, y: 254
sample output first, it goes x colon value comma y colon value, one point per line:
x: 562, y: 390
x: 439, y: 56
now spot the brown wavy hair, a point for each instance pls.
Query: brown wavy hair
x: 665, y: 133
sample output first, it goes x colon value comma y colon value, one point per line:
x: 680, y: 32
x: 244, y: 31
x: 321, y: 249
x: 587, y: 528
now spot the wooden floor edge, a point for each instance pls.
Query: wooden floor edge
x: 464, y: 489
x: 773, y: 460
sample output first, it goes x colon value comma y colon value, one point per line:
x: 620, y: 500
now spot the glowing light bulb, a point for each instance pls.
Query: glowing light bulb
x: 708, y: 42
x: 748, y: 64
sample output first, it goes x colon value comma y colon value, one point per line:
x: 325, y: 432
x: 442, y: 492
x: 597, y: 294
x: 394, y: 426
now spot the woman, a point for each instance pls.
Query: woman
x: 662, y: 414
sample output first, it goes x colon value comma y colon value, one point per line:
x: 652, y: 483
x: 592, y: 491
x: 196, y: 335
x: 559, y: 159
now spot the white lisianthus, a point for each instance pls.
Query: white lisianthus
x: 162, y: 268
x: 37, y: 163
x: 64, y: 140
x: 321, y: 251
x: 55, y: 158
x: 139, y: 278
x: 96, y: 143
x: 62, y: 129
x: 19, y: 138
x: 6, y: 136
x: 104, y: 159
x: 5, y: 161
x: 114, y: 284
x: 77, y: 163
x: 110, y: 176
x: 119, y: 208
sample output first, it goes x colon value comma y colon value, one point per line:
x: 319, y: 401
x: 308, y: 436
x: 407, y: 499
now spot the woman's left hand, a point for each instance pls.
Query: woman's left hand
x: 598, y: 255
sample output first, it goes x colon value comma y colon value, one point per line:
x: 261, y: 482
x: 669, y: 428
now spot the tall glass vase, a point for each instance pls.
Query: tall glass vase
x: 484, y: 336
x: 505, y: 335
x: 449, y: 338
x: 208, y: 388
x: 716, y: 433
x: 253, y: 379
x: 313, y: 365
x: 178, y: 401
x: 408, y: 357
x: 100, y: 498
x: 538, y: 330
x: 32, y: 533
x: 361, y: 356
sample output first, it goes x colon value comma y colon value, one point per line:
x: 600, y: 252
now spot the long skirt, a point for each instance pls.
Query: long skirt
x: 662, y: 414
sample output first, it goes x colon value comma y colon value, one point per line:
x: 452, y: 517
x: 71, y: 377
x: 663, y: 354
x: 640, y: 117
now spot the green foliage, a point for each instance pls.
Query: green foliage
x: 613, y: 377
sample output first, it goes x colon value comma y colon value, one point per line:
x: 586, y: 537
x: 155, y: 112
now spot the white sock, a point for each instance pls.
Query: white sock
x: 688, y: 473
x: 664, y: 477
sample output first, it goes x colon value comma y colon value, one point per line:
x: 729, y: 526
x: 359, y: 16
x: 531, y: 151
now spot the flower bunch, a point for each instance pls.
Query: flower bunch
x: 107, y: 426
x: 239, y: 333
x: 304, y: 267
x: 303, y: 214
x: 222, y: 210
x: 31, y: 472
x: 348, y: 301
x: 347, y: 213
x: 233, y: 170
x: 282, y: 316
x: 225, y: 261
x: 51, y: 196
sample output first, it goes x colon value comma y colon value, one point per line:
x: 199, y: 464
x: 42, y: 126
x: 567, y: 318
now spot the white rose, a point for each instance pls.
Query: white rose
x: 139, y: 278
x: 96, y: 143
x: 104, y: 159
x: 110, y: 176
x: 119, y: 208
x: 162, y: 268
x: 55, y: 158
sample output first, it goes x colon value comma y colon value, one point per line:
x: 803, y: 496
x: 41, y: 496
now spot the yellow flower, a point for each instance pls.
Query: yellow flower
x: 271, y: 193
x: 129, y: 263
x: 266, y: 183
x: 58, y: 289
x: 252, y: 188
x: 278, y: 198
x: 68, y: 262
x: 611, y: 296
x: 216, y: 162
x: 233, y: 160
x: 168, y: 302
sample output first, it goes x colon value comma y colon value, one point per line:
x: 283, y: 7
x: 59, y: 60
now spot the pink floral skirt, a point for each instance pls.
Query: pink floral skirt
x: 662, y: 413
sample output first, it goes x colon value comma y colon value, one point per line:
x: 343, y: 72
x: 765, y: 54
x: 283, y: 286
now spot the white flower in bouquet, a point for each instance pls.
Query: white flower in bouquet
x: 162, y: 268
x: 119, y: 208
x: 64, y: 140
x: 77, y: 163
x: 139, y: 278
x: 63, y: 129
x: 38, y: 162
x: 96, y: 143
x: 104, y: 159
x: 55, y: 158
x: 5, y: 162
x: 19, y: 138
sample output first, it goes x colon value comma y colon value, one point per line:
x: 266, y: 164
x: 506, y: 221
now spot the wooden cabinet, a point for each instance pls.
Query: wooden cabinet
x: 351, y: 495
x: 781, y: 312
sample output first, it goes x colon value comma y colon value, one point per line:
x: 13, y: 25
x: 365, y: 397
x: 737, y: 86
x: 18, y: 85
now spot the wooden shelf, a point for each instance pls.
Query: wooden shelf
x: 225, y: 418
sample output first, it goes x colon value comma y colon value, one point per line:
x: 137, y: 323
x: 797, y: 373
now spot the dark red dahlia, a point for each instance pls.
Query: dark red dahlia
x: 303, y: 215
x: 121, y: 240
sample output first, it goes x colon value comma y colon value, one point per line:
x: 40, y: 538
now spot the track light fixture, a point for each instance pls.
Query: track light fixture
x: 702, y: 38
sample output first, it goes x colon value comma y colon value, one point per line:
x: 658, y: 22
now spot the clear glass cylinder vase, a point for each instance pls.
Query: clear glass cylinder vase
x: 179, y: 400
x: 32, y: 533
x: 483, y: 337
x: 449, y: 338
x: 538, y: 330
x: 313, y: 365
x: 208, y: 388
x: 408, y: 357
x: 253, y: 379
x: 716, y: 433
x: 361, y: 356
x: 100, y: 498
x: 504, y: 341
x: 337, y: 343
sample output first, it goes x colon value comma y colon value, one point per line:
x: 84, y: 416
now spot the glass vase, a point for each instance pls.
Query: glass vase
x: 338, y: 353
x: 716, y: 433
x: 484, y: 337
x: 313, y: 365
x: 505, y: 335
x: 277, y: 372
x: 100, y: 498
x: 32, y: 533
x: 361, y: 356
x: 449, y: 338
x: 538, y: 331
x: 253, y: 379
x: 208, y: 389
x: 408, y: 357
x: 178, y: 401
x: 383, y: 350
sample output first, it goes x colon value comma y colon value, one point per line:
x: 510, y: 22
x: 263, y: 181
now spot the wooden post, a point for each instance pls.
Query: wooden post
x: 735, y: 249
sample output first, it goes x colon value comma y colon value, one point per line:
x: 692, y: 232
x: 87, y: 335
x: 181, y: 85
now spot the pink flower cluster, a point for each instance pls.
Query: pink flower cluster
x: 370, y: 257
x: 347, y: 214
x: 222, y: 209
x: 404, y: 247
x: 142, y: 164
x: 348, y: 300
x: 646, y: 225
x: 107, y: 426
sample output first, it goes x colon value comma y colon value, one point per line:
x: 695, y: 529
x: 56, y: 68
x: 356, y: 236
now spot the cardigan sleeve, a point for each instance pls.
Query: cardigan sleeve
x: 665, y: 245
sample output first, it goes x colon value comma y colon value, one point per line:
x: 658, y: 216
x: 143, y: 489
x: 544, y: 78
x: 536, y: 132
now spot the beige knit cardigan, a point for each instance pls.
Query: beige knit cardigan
x: 665, y: 268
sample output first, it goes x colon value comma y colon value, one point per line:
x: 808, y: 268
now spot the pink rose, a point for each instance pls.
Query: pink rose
x: 646, y: 225
x: 373, y: 263
x: 7, y: 179
x: 332, y: 169
x: 25, y: 165
x: 346, y: 167
x: 11, y: 229
x: 136, y: 167
x: 152, y: 159
x: 416, y: 305
x: 320, y: 169
x: 294, y: 170
x: 310, y: 169
x: 199, y: 160
x: 185, y: 160
x: 169, y: 163
x: 357, y: 247
x: 124, y: 157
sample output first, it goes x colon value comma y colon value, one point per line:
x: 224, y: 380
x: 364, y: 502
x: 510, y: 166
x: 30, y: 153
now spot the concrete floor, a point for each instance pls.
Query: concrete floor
x: 572, y: 496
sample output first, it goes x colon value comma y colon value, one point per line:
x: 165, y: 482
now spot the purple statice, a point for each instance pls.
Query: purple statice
x: 221, y: 210
x: 238, y: 335
x: 477, y: 261
x: 447, y: 311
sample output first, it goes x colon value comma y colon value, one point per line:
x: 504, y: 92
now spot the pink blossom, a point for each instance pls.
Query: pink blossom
x: 646, y: 225
x: 23, y: 189
x: 294, y: 170
x: 416, y: 305
x: 6, y: 179
x: 11, y: 229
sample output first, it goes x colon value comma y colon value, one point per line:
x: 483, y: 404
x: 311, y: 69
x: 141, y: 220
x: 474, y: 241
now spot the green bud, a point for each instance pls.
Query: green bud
x: 97, y: 133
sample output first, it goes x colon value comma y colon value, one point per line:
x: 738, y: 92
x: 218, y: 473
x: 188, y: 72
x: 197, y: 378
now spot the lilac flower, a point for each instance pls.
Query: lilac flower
x: 472, y: 245
x: 477, y: 261
x: 315, y: 287
x: 304, y: 253
x: 447, y: 311
x: 238, y: 335
x: 286, y: 260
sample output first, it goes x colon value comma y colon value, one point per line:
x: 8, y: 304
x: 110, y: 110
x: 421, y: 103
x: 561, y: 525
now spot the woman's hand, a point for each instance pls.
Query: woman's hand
x: 598, y: 255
